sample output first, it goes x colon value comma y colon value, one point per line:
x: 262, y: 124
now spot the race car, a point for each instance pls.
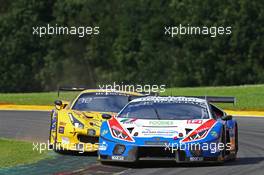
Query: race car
x: 75, y: 126
x: 183, y: 129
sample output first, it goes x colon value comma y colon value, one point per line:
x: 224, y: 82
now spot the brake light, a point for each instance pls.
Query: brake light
x: 200, y: 132
x: 118, y: 131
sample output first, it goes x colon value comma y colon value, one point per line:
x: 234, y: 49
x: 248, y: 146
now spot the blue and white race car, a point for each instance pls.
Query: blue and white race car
x: 184, y: 129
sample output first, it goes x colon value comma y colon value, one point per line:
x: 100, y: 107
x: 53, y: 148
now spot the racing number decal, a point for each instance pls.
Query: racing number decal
x: 53, y: 127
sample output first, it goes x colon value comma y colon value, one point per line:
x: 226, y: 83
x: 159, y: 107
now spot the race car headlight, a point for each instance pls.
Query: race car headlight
x: 75, y: 122
x: 119, y: 149
x: 196, y: 135
x: 91, y: 132
x: 201, y: 132
x: 118, y: 134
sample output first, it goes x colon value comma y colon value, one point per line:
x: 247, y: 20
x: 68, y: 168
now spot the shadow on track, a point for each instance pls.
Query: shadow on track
x: 76, y: 153
x: 158, y: 164
x: 244, y: 161
x: 171, y: 164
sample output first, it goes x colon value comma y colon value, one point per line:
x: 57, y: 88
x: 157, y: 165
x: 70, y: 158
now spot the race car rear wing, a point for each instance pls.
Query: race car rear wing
x: 144, y: 94
x: 149, y: 93
x: 212, y: 99
x: 216, y: 99
x: 70, y: 89
x: 84, y: 88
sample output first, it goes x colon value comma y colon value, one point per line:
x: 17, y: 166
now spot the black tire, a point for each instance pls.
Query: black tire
x: 106, y: 163
x: 234, y: 156
x: 236, y: 138
x: 55, y: 140
x: 50, y: 146
x: 223, y: 140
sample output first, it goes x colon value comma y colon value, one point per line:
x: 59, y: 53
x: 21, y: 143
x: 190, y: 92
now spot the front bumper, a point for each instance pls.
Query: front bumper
x: 134, y: 152
x: 76, y: 140
x: 79, y: 147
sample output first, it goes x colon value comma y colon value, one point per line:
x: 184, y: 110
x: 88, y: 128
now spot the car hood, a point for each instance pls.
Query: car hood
x: 93, y: 117
x: 160, y: 128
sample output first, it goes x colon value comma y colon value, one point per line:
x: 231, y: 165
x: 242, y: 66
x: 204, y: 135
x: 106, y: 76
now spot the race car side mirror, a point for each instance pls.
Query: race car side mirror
x: 106, y: 116
x: 130, y: 98
x: 227, y: 117
x: 58, y: 104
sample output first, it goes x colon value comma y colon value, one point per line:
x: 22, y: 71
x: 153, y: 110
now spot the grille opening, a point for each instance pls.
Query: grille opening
x: 88, y: 139
x: 103, y: 156
x: 180, y: 156
x: 155, y: 152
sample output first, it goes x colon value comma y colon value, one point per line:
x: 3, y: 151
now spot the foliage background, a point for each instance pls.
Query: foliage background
x: 131, y: 47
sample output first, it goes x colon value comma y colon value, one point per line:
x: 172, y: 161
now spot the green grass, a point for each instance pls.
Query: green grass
x: 249, y: 97
x: 41, y: 98
x: 18, y: 152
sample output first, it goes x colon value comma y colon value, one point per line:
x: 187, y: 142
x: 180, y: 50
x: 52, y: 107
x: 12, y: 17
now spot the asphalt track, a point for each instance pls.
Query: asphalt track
x: 25, y: 125
x: 33, y: 126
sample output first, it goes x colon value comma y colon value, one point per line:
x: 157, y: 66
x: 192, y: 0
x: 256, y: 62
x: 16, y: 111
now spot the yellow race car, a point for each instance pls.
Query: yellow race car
x: 75, y: 126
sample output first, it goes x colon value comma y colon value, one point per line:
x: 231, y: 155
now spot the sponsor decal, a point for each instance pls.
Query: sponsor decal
x: 194, y: 121
x: 160, y: 123
x: 54, y: 114
x: 62, y: 123
x: 196, y: 158
x: 65, y: 140
x: 104, y: 132
x: 214, y: 134
x: 118, y: 158
x: 156, y: 143
x: 159, y: 132
x: 111, y: 93
x: 117, y: 128
x: 53, y: 124
x: 128, y: 120
x: 86, y: 100
x: 187, y: 100
x: 202, y: 129
x: 61, y: 130
x: 103, y: 146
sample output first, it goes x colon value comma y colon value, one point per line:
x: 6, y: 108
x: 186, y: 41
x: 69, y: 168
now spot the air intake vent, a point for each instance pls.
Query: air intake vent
x: 188, y: 130
x: 130, y: 130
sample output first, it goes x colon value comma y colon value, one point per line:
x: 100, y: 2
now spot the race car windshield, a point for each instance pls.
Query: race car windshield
x: 101, y: 103
x: 164, y: 111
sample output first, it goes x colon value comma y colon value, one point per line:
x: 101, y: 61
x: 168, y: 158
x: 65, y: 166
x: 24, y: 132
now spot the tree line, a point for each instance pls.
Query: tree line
x: 131, y: 47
